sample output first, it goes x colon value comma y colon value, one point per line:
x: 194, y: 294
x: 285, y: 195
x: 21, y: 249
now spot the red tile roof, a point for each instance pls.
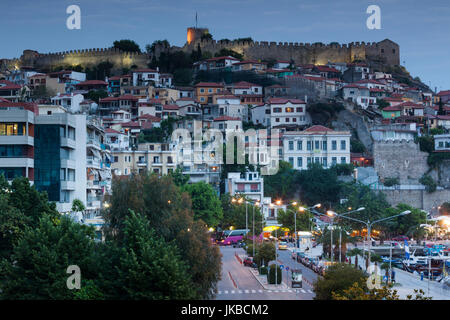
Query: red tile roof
x: 186, y: 99
x: 8, y: 85
x: 392, y: 108
x: 145, y: 70
x: 171, y: 107
x: 222, y: 58
x: 92, y: 82
x: 109, y: 130
x: 444, y: 93
x: 284, y: 101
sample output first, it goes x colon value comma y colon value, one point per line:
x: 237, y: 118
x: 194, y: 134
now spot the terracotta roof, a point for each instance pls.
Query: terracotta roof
x: 171, y: 107
x: 128, y: 97
x: 250, y: 61
x: 392, y: 108
x: 150, y: 117
x: 4, y: 100
x: 226, y: 118
x: 109, y: 130
x: 8, y: 85
x: 244, y: 85
x: 284, y: 101
x: 186, y: 99
x: 411, y: 104
x: 227, y: 97
x: 131, y: 124
x: 444, y: 93
x: 327, y: 69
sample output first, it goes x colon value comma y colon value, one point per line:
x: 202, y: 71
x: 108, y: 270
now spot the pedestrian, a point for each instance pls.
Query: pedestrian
x: 421, y: 275
x: 393, y: 276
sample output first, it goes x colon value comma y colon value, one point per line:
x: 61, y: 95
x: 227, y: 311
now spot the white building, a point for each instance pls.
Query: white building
x: 442, y: 142
x: 359, y: 95
x: 71, y: 102
x: 249, y: 184
x: 230, y: 106
x: 316, y: 144
x: 394, y: 132
x: 287, y: 112
x: 145, y: 77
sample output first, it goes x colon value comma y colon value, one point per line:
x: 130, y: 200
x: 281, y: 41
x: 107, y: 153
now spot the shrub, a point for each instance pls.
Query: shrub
x: 428, y: 182
x: 262, y: 270
x: 271, y: 274
x: 389, y: 182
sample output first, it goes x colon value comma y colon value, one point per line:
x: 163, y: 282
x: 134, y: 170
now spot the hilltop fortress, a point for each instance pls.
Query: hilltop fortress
x: 385, y: 52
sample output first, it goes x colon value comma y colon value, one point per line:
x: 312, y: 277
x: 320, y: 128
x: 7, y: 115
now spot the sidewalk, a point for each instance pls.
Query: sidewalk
x: 262, y: 279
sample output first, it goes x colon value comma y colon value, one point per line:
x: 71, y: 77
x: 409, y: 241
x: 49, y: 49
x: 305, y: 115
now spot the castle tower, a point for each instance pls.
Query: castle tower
x: 194, y: 34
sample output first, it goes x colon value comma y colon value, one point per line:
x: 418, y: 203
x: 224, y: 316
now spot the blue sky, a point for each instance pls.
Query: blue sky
x: 421, y: 28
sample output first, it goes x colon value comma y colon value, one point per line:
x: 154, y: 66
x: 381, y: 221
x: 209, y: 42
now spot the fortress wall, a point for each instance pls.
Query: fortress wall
x: 303, y: 52
x: 89, y: 58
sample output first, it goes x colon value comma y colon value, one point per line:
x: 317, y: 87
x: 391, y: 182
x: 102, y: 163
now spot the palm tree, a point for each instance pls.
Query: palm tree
x: 355, y: 252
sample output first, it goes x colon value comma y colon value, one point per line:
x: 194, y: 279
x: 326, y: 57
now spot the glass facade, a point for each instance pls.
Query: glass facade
x: 11, y: 173
x: 47, y: 160
x: 12, y: 129
x: 13, y: 151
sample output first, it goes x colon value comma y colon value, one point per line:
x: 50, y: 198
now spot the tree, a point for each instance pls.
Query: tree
x: 234, y: 215
x: 78, y: 206
x: 127, y: 46
x: 428, y: 182
x: 96, y: 95
x: 179, y: 178
x: 337, y: 279
x: 283, y: 184
x: 287, y: 219
x: 228, y: 52
x: 382, y: 104
x: 205, y: 203
x: 355, y: 252
x: 169, y: 212
x: 357, y: 146
x: 265, y: 253
x: 410, y: 222
x: 149, y: 267
x: 358, y: 292
x: 37, y: 267
x: 319, y: 185
x: 325, y: 240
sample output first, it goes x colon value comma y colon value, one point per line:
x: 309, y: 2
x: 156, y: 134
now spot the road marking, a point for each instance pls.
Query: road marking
x: 269, y: 290
x: 226, y: 291
x: 240, y: 291
x: 253, y: 291
x: 303, y: 290
x: 310, y: 291
x: 246, y: 291
x: 275, y: 291
x: 289, y: 290
x: 232, y: 280
x: 232, y: 291
x: 219, y: 292
x: 260, y: 291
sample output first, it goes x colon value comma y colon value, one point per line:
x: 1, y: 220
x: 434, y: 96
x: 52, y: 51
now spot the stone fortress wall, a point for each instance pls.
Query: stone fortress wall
x: 386, y: 52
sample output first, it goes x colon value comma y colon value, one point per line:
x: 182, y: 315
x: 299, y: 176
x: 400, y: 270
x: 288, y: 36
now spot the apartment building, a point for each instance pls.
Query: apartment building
x: 17, y: 134
x: 60, y: 157
x: 154, y: 157
x: 316, y: 144
x: 248, y: 184
x: 287, y: 113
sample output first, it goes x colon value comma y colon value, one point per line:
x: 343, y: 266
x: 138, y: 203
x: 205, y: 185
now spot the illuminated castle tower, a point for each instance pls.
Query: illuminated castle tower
x: 194, y: 34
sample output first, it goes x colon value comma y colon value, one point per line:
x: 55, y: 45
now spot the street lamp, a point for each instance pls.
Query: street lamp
x: 369, y: 224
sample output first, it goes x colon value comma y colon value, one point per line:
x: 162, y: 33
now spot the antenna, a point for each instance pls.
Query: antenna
x: 196, y: 19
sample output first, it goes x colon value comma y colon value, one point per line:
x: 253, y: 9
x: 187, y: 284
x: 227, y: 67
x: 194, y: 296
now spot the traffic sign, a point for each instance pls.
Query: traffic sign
x: 281, y: 266
x: 287, y: 268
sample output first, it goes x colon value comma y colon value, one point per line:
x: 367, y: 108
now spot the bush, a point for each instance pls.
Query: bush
x: 262, y: 270
x: 271, y: 274
x: 428, y: 182
x: 389, y: 182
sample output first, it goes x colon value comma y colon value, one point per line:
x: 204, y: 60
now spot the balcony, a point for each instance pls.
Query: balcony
x: 142, y: 163
x: 94, y: 201
x: 68, y: 143
x: 92, y: 162
x: 93, y: 184
x: 91, y: 143
x: 67, y: 185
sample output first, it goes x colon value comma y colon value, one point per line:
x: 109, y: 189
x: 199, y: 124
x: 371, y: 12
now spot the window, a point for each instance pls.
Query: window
x: 277, y: 119
x: 12, y: 129
x: 308, y: 161
x: 317, y: 160
x: 333, y: 161
x: 342, y: 159
x: 202, y: 90
x: 308, y: 146
x: 299, y: 109
x: 289, y: 109
x: 291, y: 145
x: 343, y: 144
x: 334, y: 145
x: 317, y: 145
x: 299, y: 145
x: 324, y: 145
x: 324, y: 162
x: 299, y: 162
x: 276, y: 110
x: 291, y: 161
x: 287, y: 119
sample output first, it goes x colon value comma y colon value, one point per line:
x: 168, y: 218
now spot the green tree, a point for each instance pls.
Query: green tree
x: 287, y: 219
x: 358, y: 292
x: 37, y: 267
x: 149, y: 267
x: 78, y: 206
x: 96, y: 95
x: 127, y: 46
x: 234, y: 215
x: 337, y: 279
x: 169, y: 212
x: 265, y: 253
x: 319, y: 185
x: 205, y: 203
x: 283, y: 184
x: 179, y: 178
x: 428, y: 182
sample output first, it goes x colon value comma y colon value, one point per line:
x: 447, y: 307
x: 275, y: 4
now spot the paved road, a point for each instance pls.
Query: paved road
x: 285, y: 257
x: 238, y: 283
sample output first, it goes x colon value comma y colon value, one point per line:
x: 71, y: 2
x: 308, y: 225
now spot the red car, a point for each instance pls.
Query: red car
x: 248, y: 262
x: 400, y: 238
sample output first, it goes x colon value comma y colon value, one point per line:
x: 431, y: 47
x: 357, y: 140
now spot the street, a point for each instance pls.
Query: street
x: 238, y: 283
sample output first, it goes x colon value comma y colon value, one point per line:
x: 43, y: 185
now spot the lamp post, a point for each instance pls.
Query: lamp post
x: 369, y: 224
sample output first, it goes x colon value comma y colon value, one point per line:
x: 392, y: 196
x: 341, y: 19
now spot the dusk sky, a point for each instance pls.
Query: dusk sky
x: 421, y: 28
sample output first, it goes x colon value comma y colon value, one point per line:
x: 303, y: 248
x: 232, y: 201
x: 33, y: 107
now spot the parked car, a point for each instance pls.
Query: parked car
x: 239, y: 244
x: 400, y: 238
x: 248, y: 262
